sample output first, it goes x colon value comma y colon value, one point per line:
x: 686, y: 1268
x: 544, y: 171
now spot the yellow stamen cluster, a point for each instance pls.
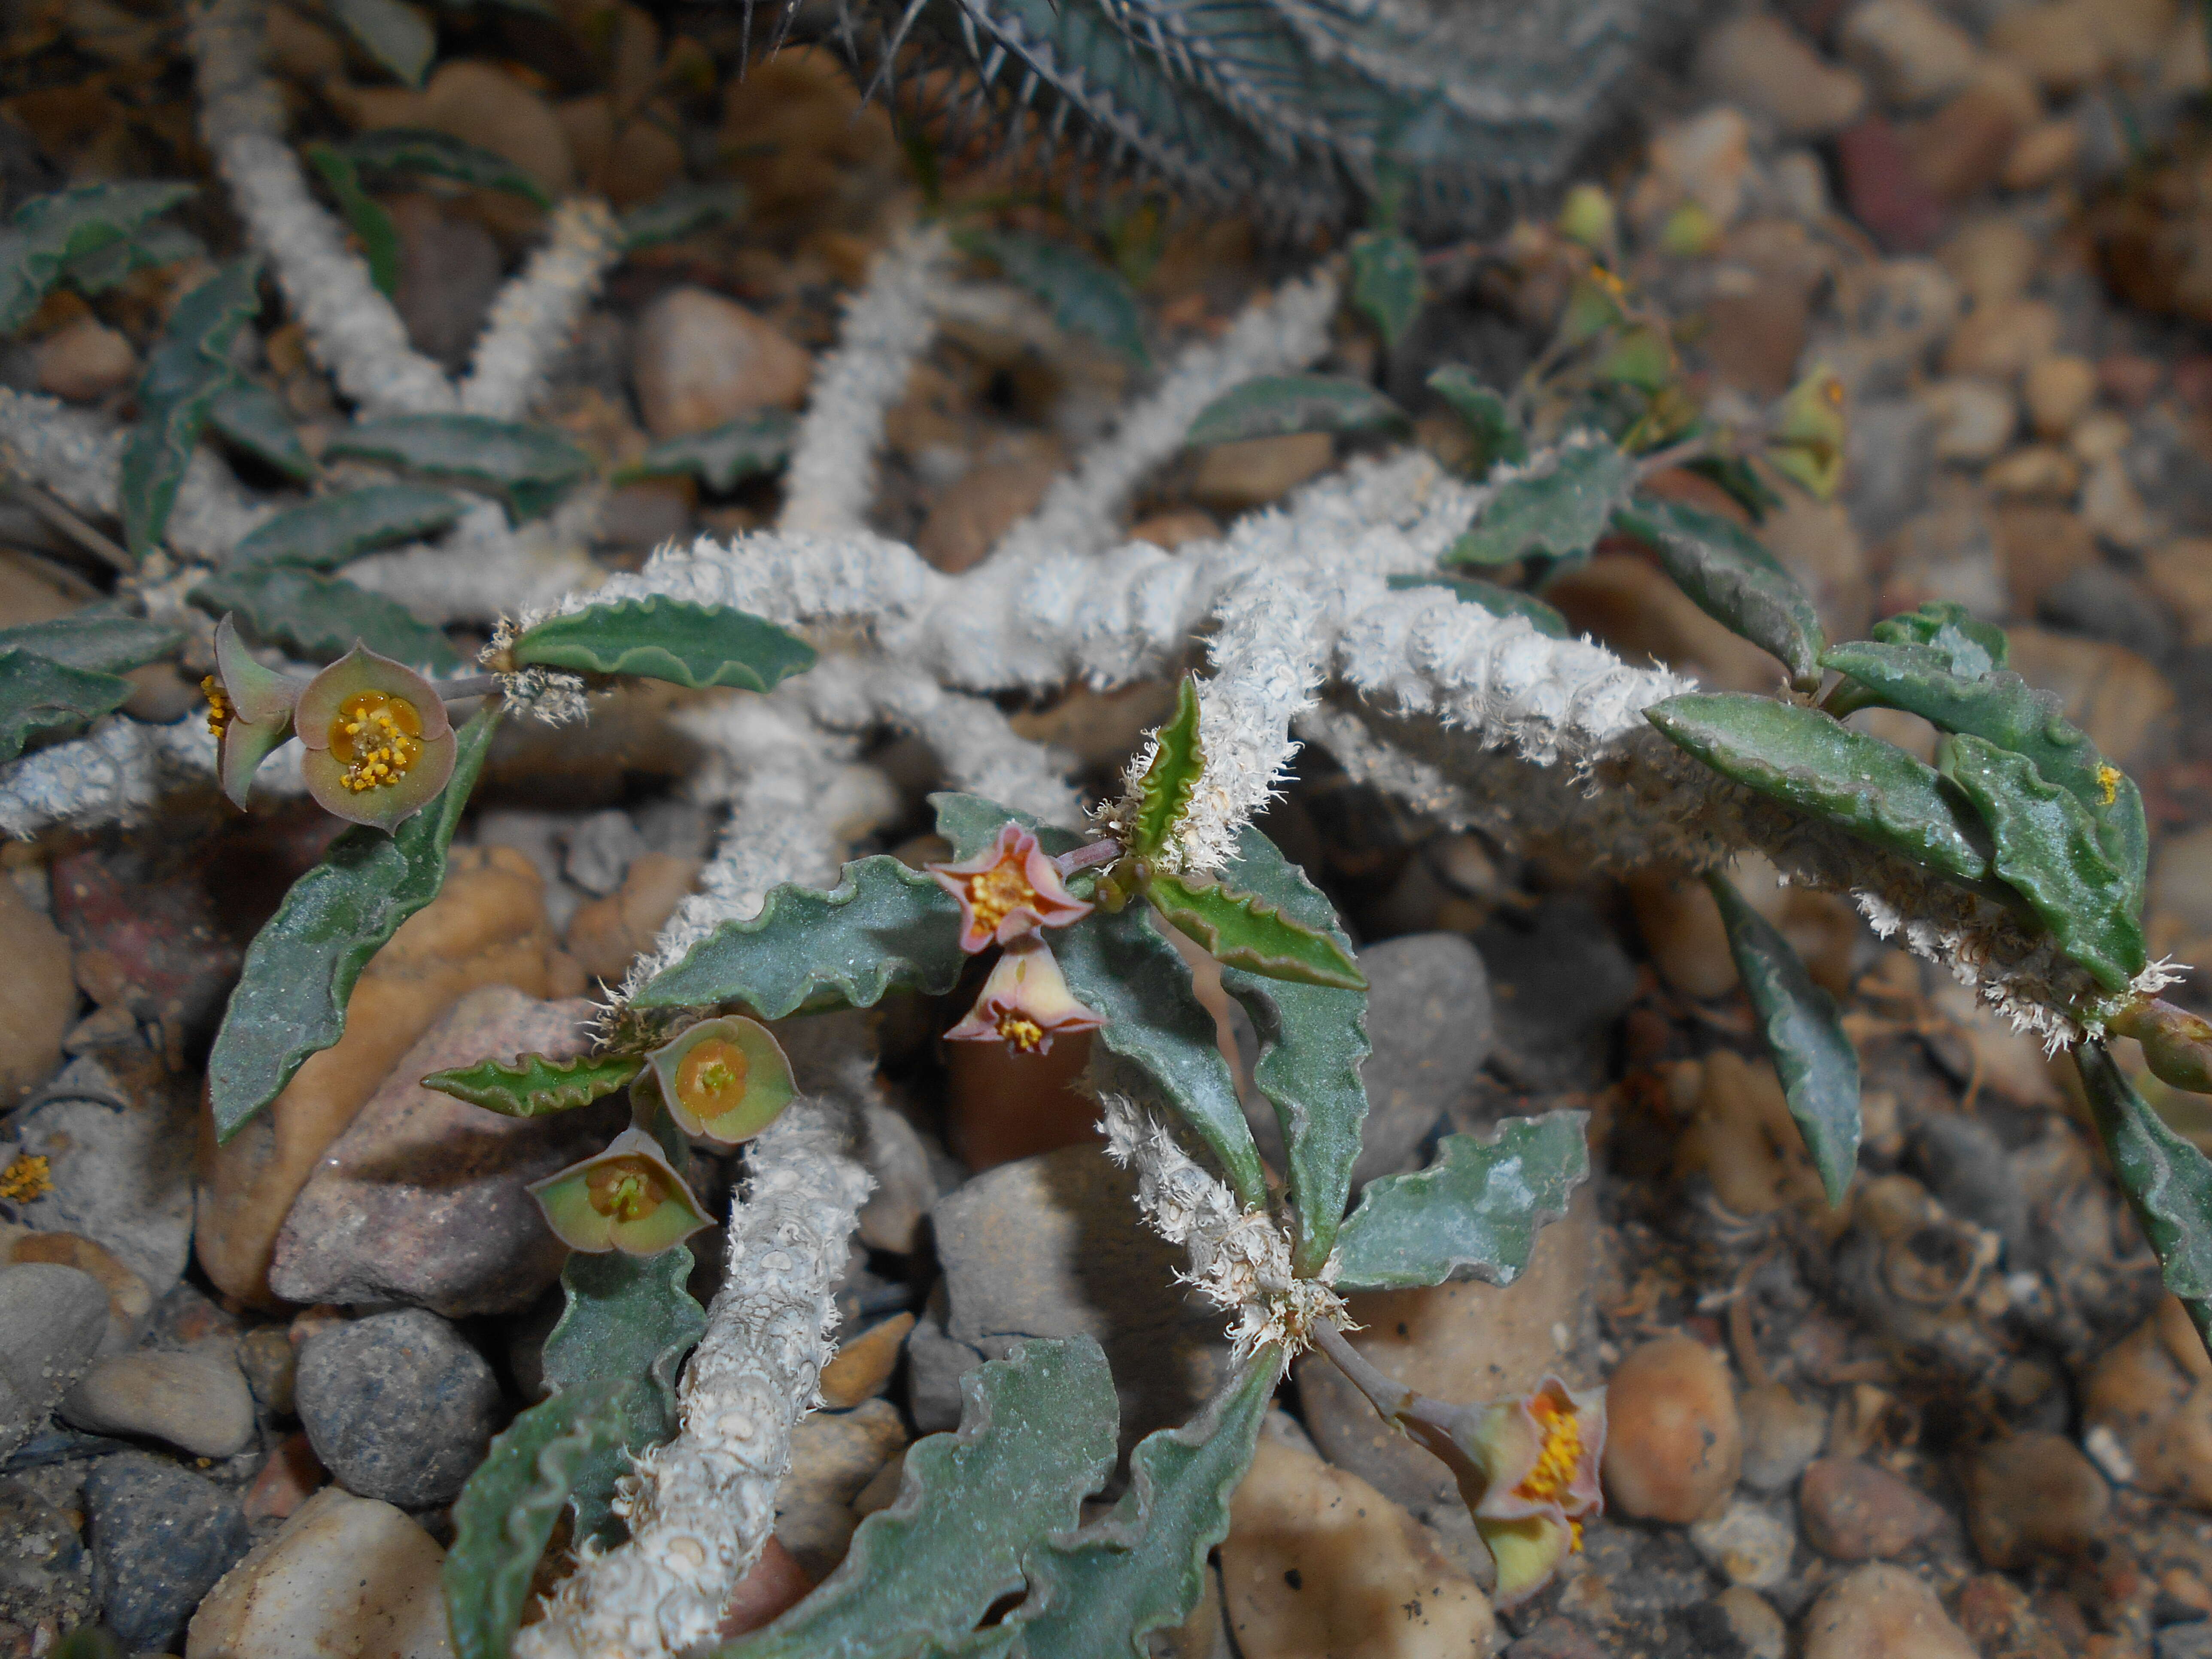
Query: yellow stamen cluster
x: 1025, y: 1035
x: 1561, y: 1454
x: 221, y: 710
x: 2108, y: 783
x: 629, y: 1189
x: 28, y: 1177
x: 378, y: 737
x: 998, y: 891
x: 712, y: 1080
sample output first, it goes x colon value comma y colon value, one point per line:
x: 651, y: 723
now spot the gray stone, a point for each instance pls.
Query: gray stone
x: 52, y: 1320
x: 1054, y: 1246
x: 45, y: 1573
x: 601, y: 849
x: 196, y: 1402
x: 1966, y: 1167
x: 1429, y: 1023
x: 397, y: 1407
x: 1558, y: 979
x: 121, y: 1162
x: 2100, y: 602
x: 1747, y: 1543
x: 893, y: 1151
x: 161, y: 1537
x: 1891, y: 458
x: 423, y: 1199
x: 2191, y: 1641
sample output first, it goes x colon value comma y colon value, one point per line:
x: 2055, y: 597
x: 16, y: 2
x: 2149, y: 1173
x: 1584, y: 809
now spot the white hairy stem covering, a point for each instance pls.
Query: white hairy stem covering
x: 119, y: 772
x: 534, y: 317
x: 701, y: 1507
x: 485, y: 567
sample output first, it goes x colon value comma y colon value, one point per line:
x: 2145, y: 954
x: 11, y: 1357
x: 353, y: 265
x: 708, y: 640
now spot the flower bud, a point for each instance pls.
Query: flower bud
x: 249, y: 711
x: 1025, y: 1002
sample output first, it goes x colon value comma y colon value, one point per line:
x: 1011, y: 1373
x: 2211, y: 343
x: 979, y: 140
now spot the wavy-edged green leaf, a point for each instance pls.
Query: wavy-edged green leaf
x: 504, y: 1516
x: 1313, y: 1040
x: 290, y: 1000
x: 39, y: 694
x: 1484, y: 411
x: 1242, y: 930
x: 1804, y: 1033
x: 1739, y: 480
x: 321, y: 616
x: 1083, y: 296
x: 441, y: 155
x: 1557, y: 513
x: 249, y: 415
x: 628, y: 1319
x: 1122, y: 965
x: 1476, y: 1209
x: 1735, y: 580
x: 535, y: 1086
x: 1142, y: 1568
x: 882, y: 928
x: 690, y: 645
x: 1163, y: 793
x: 330, y: 530
x: 1970, y: 647
x: 1386, y: 284
x: 364, y: 215
x: 2167, y: 1180
x: 98, y: 642
x: 2046, y: 851
x: 1498, y: 601
x: 1036, y: 1436
x: 155, y: 242
x: 679, y: 211
x: 49, y: 233
x: 751, y: 446
x: 531, y: 467
x: 1999, y: 707
x: 1798, y: 755
x: 1277, y: 405
x: 182, y: 374
x: 397, y: 37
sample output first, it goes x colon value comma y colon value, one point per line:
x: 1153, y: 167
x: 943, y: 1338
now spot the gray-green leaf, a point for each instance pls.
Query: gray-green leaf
x: 2167, y: 1180
x: 1083, y: 296
x: 1804, y: 1033
x: 1969, y: 647
x: 156, y: 242
x: 364, y: 216
x: 1036, y: 1436
x: 48, y: 233
x: 689, y: 645
x: 182, y: 374
x: 1800, y: 756
x: 1277, y: 405
x: 39, y: 694
x: 1498, y: 601
x: 396, y: 36
x: 1488, y: 419
x: 330, y: 530
x: 679, y: 211
x: 290, y: 1002
x: 1476, y: 1209
x: 324, y: 617
x: 750, y: 446
x: 249, y: 417
x: 531, y: 467
x: 98, y: 642
x: 1735, y: 580
x: 1386, y: 281
x: 1557, y: 513
x: 440, y: 156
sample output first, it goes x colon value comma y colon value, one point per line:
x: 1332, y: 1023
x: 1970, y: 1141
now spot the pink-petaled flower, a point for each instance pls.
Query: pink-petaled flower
x: 1025, y: 1002
x: 1010, y: 888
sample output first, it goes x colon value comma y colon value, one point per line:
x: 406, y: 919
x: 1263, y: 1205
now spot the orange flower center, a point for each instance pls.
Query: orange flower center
x: 1025, y: 1034
x: 997, y: 892
x: 1559, y: 1457
x: 221, y: 710
x: 380, y: 739
x: 627, y: 1189
x: 711, y: 1081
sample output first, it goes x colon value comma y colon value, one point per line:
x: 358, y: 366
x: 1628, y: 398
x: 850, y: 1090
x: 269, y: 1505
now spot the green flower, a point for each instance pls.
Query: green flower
x: 249, y: 711
x: 1809, y: 431
x: 380, y: 747
x: 725, y: 1080
x: 629, y: 1198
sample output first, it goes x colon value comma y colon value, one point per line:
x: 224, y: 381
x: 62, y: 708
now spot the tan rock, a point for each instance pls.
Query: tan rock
x: 1993, y: 258
x: 2058, y: 391
x: 1171, y: 530
x: 1911, y: 50
x: 197, y: 1402
x: 347, y: 1578
x: 1000, y: 490
x: 605, y: 935
x: 2039, y: 545
x: 832, y: 1456
x: 1632, y: 606
x: 1857, y: 1511
x: 1680, y: 927
x: 1743, y: 1139
x: 1673, y: 1443
x: 487, y: 927
x: 2180, y: 573
x: 1959, y: 151
x: 1998, y: 342
x: 2059, y: 43
x: 1974, y: 420
x: 1882, y: 1612
x: 2032, y: 1495
x: 128, y: 1297
x: 1318, y: 1564
x: 1234, y: 476
x: 486, y: 105
x: 85, y: 363
x: 306, y: 52
x: 32, y: 590
x: 2042, y: 154
x: 627, y: 161
x: 2035, y: 472
x: 37, y: 999
x: 2152, y: 1391
x: 2124, y: 704
x: 863, y: 1366
x: 701, y: 360
x: 1761, y: 64
x: 1816, y: 543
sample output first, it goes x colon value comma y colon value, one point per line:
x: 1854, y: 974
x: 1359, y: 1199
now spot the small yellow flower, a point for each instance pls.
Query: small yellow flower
x: 380, y: 746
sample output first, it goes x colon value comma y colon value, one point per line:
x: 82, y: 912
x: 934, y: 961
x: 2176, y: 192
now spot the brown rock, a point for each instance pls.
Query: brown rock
x: 628, y: 161
x: 1674, y: 1443
x: 1757, y: 337
x: 1632, y: 606
x: 2042, y: 154
x: 2058, y: 44
x: 1914, y: 53
x: 305, y: 51
x: 2038, y: 547
x: 1854, y: 1511
x: 1884, y: 189
x: 1318, y: 1564
x: 33, y: 591
x: 802, y: 142
x: 863, y: 1366
x: 292, y: 1475
x: 486, y: 105
x: 1003, y: 1105
x: 1882, y: 1612
x: 1817, y: 543
x: 1741, y: 1138
x: 85, y: 363
x: 271, y: 1365
x: 1997, y: 1615
x: 487, y: 927
x: 1782, y: 1434
x: 37, y: 999
x: 984, y: 502
x: 1961, y: 149
x: 700, y: 361
x: 606, y: 933
x: 1999, y: 342
x: 1681, y: 928
x: 832, y: 1456
x: 421, y: 1202
x: 1171, y: 530
x: 2180, y: 573
x: 1762, y: 65
x: 1992, y: 257
x: 2124, y: 704
x: 775, y: 1583
x: 2058, y: 391
x: 2031, y: 1495
x: 2035, y: 472
x: 2153, y: 1392
x: 1257, y: 470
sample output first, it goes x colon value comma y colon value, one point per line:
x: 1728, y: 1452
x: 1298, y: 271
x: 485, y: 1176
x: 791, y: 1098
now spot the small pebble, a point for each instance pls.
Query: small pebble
x: 1747, y: 1543
x: 1751, y: 1619
x: 51, y: 1319
x: 271, y: 1365
x: 346, y: 1576
x: 1674, y: 1441
x: 398, y: 1407
x: 2033, y: 1495
x: 292, y: 1475
x: 1882, y: 1612
x: 834, y: 1454
x: 1853, y: 1511
x: 1556, y: 1639
x: 194, y: 1401
x: 161, y: 1538
x: 701, y: 360
x: 1781, y: 1435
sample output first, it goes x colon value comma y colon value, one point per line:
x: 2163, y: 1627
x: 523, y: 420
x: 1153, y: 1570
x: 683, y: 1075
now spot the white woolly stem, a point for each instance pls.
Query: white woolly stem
x: 701, y: 1507
x: 534, y: 317
x: 352, y: 329
x: 831, y: 476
